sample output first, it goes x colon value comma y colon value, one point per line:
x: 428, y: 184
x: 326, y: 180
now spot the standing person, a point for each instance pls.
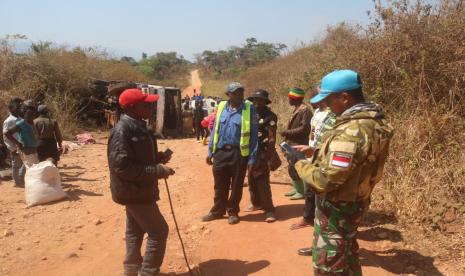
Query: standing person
x: 135, y: 167
x: 199, y: 114
x: 259, y: 177
x: 17, y: 168
x: 232, y: 150
x: 49, y: 135
x: 344, y: 172
x: 297, y: 133
x: 323, y: 121
x: 26, y: 141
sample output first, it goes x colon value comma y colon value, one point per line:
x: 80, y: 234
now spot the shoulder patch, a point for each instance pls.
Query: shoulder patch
x: 343, y: 146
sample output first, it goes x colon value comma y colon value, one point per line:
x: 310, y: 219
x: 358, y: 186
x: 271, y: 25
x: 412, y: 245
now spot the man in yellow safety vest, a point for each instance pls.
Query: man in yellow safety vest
x: 232, y: 151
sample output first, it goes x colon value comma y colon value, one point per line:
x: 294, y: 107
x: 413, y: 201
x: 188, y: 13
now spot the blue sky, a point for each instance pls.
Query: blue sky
x: 188, y: 27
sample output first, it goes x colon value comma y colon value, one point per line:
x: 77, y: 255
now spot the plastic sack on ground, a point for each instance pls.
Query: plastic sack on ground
x: 85, y: 138
x: 43, y: 184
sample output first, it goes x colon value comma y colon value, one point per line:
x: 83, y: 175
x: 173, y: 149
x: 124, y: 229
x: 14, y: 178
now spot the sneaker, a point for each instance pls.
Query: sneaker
x: 307, y: 251
x: 253, y: 208
x: 211, y: 217
x: 233, y: 219
x: 297, y: 196
x: 291, y: 193
x: 198, y: 141
x: 269, y: 217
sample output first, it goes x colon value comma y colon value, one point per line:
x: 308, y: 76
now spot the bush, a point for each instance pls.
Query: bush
x: 411, y: 59
x: 61, y: 75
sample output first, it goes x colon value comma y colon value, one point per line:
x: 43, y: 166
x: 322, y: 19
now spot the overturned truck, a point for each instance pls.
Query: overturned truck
x: 166, y: 119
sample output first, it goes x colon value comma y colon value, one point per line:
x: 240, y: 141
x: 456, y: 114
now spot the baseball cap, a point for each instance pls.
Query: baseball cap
x: 135, y: 96
x: 42, y: 108
x: 233, y: 86
x: 336, y: 82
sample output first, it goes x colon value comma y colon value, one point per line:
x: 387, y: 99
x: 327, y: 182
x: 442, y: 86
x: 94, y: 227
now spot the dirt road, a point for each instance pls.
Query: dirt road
x: 85, y: 235
x: 196, y: 85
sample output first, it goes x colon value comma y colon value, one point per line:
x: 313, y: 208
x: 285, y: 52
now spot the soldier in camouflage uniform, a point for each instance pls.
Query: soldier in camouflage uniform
x: 344, y: 171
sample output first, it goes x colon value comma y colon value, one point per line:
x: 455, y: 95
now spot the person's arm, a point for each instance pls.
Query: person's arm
x: 10, y: 135
x: 303, y: 127
x: 253, y: 136
x: 210, y: 143
x: 272, y: 135
x: 58, y: 136
x: 338, y: 159
x: 122, y: 162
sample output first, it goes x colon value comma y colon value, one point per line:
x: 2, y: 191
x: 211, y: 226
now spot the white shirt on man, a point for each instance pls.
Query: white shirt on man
x: 9, y: 123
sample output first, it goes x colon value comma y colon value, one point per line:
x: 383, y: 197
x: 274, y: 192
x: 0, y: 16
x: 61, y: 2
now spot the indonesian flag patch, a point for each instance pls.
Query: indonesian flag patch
x: 341, y: 160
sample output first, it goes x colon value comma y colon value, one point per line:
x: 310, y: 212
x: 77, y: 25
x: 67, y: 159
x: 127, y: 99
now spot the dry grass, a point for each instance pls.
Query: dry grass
x: 62, y: 75
x: 412, y: 61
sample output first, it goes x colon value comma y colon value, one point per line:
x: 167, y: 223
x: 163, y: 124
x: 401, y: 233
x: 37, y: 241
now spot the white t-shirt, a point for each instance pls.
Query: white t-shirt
x: 9, y: 123
x: 316, y: 124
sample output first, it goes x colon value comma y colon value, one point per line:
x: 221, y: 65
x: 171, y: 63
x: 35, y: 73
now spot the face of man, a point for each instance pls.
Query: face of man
x: 143, y: 110
x: 259, y: 104
x: 338, y: 103
x: 237, y: 97
x: 293, y: 102
x: 30, y: 114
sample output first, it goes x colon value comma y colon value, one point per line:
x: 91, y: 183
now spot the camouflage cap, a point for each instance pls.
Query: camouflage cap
x: 233, y: 87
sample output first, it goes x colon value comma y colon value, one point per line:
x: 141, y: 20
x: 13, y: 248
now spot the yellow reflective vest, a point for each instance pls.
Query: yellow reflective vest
x: 245, y: 128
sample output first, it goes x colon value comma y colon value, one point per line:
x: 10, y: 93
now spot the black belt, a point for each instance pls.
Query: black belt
x: 229, y: 147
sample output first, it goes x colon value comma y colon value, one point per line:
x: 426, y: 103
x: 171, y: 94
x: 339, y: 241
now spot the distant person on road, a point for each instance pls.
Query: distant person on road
x: 135, y: 167
x: 232, y: 151
x: 49, y: 135
x: 199, y: 114
x: 26, y: 140
x: 297, y: 133
x: 344, y: 172
x: 17, y: 168
x: 259, y: 176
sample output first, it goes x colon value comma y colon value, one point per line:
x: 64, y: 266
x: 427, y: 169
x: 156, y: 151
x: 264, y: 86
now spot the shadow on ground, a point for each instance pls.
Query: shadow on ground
x: 375, y: 217
x: 399, y: 261
x: 75, y: 193
x: 379, y: 234
x: 223, y: 267
x: 283, y: 213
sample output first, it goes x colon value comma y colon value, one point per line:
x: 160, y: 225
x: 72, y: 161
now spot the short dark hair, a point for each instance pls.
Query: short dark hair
x: 357, y: 95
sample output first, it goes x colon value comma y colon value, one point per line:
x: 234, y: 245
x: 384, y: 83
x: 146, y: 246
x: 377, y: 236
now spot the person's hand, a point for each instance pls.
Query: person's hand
x: 164, y: 171
x: 250, y: 168
x: 20, y: 146
x: 163, y: 157
x: 209, y: 160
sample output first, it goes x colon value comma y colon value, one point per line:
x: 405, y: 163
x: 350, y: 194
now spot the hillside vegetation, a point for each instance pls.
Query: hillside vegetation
x: 412, y: 61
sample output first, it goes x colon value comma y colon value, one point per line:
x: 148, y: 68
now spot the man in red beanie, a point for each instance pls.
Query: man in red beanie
x: 135, y: 167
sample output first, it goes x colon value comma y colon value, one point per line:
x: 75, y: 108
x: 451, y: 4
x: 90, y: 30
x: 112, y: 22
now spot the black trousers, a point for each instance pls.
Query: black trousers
x: 229, y: 169
x: 200, y: 131
x: 309, y: 206
x: 141, y: 219
x: 48, y: 148
x: 259, y: 184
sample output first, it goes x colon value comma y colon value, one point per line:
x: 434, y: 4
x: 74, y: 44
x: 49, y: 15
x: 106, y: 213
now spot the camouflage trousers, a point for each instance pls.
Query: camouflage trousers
x: 335, y: 247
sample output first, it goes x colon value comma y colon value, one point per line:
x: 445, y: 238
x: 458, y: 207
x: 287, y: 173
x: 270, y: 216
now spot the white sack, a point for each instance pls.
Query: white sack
x: 43, y: 184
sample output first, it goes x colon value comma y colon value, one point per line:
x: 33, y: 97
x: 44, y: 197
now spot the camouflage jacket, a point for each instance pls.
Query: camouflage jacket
x: 351, y: 160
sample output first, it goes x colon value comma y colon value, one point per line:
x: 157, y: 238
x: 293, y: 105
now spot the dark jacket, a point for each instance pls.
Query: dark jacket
x: 298, y: 129
x: 132, y: 156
